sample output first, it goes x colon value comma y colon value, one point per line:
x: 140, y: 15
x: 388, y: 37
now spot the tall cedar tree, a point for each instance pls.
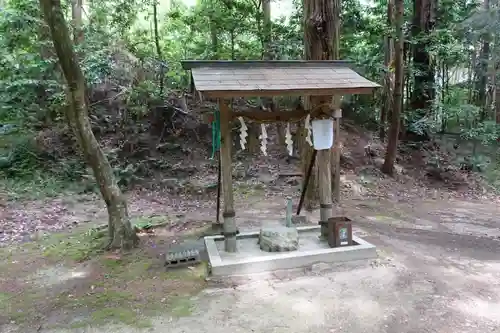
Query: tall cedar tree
x: 392, y: 145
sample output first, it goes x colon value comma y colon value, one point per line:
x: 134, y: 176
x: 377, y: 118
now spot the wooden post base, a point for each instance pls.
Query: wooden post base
x: 230, y: 233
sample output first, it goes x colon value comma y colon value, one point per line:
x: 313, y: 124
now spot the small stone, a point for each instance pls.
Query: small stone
x: 278, y: 239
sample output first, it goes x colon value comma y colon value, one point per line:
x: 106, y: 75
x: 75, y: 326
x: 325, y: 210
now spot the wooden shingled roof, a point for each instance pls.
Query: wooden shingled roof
x: 276, y: 78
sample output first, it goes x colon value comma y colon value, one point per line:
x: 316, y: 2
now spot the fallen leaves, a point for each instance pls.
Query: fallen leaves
x: 258, y: 178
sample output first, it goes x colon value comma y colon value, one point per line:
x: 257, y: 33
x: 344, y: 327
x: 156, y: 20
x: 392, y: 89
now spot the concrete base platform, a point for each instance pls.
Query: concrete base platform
x: 250, y: 259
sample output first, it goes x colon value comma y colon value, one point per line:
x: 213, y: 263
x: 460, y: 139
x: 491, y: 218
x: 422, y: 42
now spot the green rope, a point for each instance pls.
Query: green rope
x: 215, y: 134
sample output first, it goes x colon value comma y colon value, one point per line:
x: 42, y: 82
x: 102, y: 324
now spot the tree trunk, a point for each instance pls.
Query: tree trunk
x: 121, y: 233
x: 158, y: 48
x: 497, y: 101
x: 48, y: 55
x: 77, y: 22
x: 335, y: 55
x: 423, y: 93
x: 482, y: 71
x: 269, y: 54
x: 392, y: 145
x: 496, y: 78
x: 471, y: 77
x: 319, y: 44
x: 46, y: 52
x: 306, y: 153
x: 266, y: 32
x: 389, y: 75
x: 214, y: 30
x: 214, y: 35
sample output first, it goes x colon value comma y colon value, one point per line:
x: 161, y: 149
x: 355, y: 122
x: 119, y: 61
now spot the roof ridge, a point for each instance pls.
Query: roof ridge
x: 190, y: 64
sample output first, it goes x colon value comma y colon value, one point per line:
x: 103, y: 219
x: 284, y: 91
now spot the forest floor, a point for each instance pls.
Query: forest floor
x: 438, y: 269
x: 438, y: 265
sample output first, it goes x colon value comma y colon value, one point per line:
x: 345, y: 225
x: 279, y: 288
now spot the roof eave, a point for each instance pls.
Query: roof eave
x: 288, y: 92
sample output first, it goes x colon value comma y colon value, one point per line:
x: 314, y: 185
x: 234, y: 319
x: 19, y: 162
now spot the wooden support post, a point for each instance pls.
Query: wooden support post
x: 308, y: 156
x: 325, y: 189
x: 336, y: 190
x: 229, y: 226
x: 324, y: 162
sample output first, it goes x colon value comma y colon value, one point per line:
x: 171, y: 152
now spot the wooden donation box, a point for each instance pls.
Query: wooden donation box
x: 339, y: 231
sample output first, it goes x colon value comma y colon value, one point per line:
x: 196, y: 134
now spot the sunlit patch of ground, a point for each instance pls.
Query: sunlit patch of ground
x: 67, y: 280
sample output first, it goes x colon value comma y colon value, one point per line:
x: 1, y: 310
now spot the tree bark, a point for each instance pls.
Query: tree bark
x: 497, y: 101
x: 320, y: 43
x: 211, y: 10
x: 158, y: 48
x: 496, y: 78
x: 319, y: 29
x: 389, y: 75
x: 214, y: 36
x: 482, y: 71
x: 422, y: 97
x: 77, y: 21
x: 122, y: 234
x: 392, y: 145
x: 269, y: 54
x: 496, y: 75
x: 335, y: 153
x: 266, y: 31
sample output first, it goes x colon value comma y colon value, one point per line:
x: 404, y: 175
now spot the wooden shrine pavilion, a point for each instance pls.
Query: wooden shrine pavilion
x: 320, y: 80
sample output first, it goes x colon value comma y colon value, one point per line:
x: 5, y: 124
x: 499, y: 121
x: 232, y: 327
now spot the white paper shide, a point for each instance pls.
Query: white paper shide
x: 263, y: 139
x: 243, y: 133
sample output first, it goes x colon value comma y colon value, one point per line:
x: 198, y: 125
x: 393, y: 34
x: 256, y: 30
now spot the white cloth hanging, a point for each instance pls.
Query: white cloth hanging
x: 243, y: 133
x: 263, y: 139
x: 308, y: 127
x: 288, y: 140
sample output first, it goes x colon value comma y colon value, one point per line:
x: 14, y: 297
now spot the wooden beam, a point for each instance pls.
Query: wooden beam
x: 229, y: 226
x: 258, y: 114
x: 289, y: 92
x: 277, y: 116
x: 264, y: 116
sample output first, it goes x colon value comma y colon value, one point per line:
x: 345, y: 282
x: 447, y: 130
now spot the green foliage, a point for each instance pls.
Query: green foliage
x: 39, y: 186
x: 23, y: 157
x: 119, y: 59
x: 27, y: 85
x: 486, y: 132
